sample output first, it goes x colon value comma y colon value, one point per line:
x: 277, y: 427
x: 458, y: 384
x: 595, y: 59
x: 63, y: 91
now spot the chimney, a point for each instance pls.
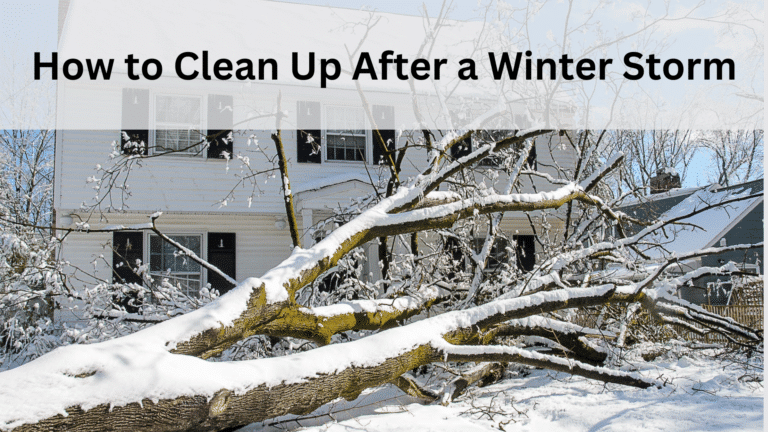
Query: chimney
x: 665, y: 180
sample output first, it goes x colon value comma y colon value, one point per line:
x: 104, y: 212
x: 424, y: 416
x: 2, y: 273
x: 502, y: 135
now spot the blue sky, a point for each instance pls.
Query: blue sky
x: 27, y: 26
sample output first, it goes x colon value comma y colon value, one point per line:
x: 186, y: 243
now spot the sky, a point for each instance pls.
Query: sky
x: 27, y: 26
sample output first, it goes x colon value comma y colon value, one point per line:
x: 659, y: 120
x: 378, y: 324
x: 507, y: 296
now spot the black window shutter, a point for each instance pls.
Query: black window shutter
x: 220, y: 122
x: 462, y: 149
x: 221, y: 253
x: 525, y: 252
x: 384, y: 116
x: 532, y: 158
x: 135, y: 122
x: 308, y: 134
x: 127, y: 247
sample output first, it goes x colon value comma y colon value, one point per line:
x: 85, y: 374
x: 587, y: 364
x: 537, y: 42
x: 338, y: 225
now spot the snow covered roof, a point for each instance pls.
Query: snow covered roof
x: 704, y: 229
x: 672, y: 193
x: 324, y: 182
x: 325, y: 193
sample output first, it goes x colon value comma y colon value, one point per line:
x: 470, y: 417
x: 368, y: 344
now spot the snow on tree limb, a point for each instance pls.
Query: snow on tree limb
x: 133, y: 372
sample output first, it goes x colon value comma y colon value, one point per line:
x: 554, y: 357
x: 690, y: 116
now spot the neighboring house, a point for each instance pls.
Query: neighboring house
x: 244, y: 235
x: 739, y: 222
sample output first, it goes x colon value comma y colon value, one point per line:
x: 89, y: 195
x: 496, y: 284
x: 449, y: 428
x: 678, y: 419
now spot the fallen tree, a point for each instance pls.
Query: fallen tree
x: 159, y: 379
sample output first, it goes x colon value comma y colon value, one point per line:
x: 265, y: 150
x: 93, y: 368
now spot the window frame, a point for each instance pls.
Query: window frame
x: 153, y: 111
x: 366, y: 134
x: 494, y: 261
x: 202, y: 254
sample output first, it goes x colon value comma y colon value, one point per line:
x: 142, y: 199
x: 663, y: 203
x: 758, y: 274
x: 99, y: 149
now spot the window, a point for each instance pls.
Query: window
x: 346, y: 136
x: 165, y: 262
x: 525, y: 252
x: 498, y: 254
x: 496, y: 161
x: 178, y: 123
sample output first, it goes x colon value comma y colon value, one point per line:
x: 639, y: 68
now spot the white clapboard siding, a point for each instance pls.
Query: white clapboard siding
x: 195, y: 184
x: 259, y: 244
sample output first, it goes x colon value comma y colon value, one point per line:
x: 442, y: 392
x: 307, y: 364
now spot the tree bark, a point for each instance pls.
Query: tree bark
x: 282, y: 163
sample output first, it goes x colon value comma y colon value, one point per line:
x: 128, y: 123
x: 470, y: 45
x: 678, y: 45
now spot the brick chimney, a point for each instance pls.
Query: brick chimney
x: 665, y: 180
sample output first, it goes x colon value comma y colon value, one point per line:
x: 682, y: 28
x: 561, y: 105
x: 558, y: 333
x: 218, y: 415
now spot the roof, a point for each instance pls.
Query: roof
x: 334, y: 191
x: 652, y: 206
x: 703, y: 229
x: 268, y: 47
x: 254, y: 29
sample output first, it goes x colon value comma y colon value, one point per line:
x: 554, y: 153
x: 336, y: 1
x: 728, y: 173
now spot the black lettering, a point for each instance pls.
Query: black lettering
x: 364, y: 66
x: 467, y: 71
x: 130, y: 61
x: 324, y: 75
x: 400, y: 62
x: 53, y: 64
x: 585, y: 65
x: 652, y: 62
x: 540, y: 68
x: 438, y: 64
x: 691, y: 66
x: 206, y: 75
x: 181, y: 73
x: 384, y: 60
x: 719, y: 64
x: 528, y: 67
x: 564, y: 62
x: 158, y: 69
x: 245, y: 70
x: 263, y: 65
x: 603, y: 64
x: 504, y: 65
x: 679, y: 72
x: 99, y: 67
x: 295, y: 67
x: 222, y: 65
x: 78, y: 69
x: 417, y: 67
x: 632, y: 65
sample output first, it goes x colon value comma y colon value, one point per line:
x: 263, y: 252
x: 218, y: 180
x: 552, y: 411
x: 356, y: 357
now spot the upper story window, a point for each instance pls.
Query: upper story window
x: 346, y: 136
x: 178, y: 124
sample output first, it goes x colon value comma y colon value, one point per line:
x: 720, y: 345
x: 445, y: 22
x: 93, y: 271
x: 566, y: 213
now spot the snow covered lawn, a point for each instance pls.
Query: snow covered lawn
x: 702, y: 395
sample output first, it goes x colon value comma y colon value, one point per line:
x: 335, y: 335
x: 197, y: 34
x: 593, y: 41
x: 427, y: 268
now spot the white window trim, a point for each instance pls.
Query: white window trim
x: 366, y: 128
x: 153, y: 124
x: 203, y: 251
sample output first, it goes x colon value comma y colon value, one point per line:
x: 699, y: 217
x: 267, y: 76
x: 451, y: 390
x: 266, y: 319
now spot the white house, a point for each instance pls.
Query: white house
x: 208, y: 202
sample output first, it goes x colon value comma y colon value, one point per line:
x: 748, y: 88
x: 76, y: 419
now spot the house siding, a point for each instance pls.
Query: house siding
x: 259, y: 244
x: 189, y: 190
x: 192, y: 184
x: 748, y: 230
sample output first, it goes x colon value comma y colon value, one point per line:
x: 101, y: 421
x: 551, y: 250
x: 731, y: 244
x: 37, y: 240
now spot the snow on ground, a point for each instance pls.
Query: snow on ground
x: 703, y: 395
